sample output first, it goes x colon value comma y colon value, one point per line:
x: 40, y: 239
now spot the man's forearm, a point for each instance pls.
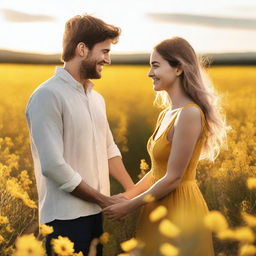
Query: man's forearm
x: 118, y: 172
x: 87, y: 193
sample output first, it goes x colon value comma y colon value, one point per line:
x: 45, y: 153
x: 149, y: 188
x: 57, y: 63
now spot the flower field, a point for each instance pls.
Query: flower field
x: 228, y: 184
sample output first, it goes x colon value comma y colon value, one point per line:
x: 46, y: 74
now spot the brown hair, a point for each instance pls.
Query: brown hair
x: 86, y: 29
x: 198, y: 87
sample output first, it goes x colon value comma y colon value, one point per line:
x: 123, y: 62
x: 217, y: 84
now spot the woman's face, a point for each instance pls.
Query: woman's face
x: 162, y: 73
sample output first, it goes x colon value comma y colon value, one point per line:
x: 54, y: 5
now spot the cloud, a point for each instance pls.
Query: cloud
x: 203, y: 20
x: 16, y: 16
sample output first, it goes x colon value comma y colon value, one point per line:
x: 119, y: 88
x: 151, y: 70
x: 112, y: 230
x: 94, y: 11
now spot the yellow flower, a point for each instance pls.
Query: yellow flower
x: 104, y: 238
x: 9, y: 251
x: 17, y: 191
x: 25, y: 181
x: 1, y: 239
x: 148, y: 198
x: 167, y: 249
x: 168, y: 229
x: 247, y: 250
x: 158, y: 213
x: 226, y: 234
x: 249, y: 219
x: 129, y: 245
x: 143, y: 168
x: 245, y: 205
x: 4, y: 220
x: 244, y: 235
x: 143, y: 165
x: 215, y: 221
x: 45, y: 229
x: 9, y: 229
x: 62, y: 246
x: 251, y: 183
x: 28, y: 245
x: 78, y: 254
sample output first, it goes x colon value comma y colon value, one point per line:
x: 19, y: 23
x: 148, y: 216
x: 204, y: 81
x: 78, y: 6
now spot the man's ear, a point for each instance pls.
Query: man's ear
x: 82, y: 50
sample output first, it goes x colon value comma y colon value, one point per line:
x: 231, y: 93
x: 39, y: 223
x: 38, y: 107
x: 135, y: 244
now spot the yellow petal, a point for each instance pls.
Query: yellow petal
x: 129, y: 245
x: 168, y: 229
x: 148, y: 198
x: 247, y: 250
x: 251, y: 183
x: 215, y: 221
x: 157, y: 214
x: 244, y: 235
x: 249, y: 219
x: 167, y: 249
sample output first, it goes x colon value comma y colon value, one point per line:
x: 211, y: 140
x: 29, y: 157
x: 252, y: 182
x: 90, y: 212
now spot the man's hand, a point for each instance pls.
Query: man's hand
x: 119, y: 211
x: 115, y: 199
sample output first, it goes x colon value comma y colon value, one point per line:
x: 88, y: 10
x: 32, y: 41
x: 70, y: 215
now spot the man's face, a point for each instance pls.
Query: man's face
x: 98, y: 56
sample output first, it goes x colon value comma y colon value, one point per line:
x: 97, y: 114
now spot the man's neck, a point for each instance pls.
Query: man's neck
x: 73, y: 70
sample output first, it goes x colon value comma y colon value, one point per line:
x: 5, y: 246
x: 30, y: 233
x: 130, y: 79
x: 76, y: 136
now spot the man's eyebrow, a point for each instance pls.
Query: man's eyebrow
x: 106, y: 50
x: 154, y: 62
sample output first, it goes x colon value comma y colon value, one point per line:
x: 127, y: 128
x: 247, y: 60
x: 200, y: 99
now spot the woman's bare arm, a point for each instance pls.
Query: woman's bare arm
x: 139, y: 187
x: 186, y: 134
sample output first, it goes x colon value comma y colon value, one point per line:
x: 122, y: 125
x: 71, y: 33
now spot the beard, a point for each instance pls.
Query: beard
x: 88, y: 69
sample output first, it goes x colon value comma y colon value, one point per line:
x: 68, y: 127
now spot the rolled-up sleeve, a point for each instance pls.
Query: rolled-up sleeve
x: 45, y: 123
x: 112, y: 148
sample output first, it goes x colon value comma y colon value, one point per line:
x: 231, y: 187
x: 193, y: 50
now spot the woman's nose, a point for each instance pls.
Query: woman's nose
x: 150, y: 73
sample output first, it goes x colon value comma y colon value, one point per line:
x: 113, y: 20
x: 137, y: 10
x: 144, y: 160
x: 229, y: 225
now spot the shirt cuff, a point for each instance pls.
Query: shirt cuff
x: 71, y: 184
x: 113, y: 151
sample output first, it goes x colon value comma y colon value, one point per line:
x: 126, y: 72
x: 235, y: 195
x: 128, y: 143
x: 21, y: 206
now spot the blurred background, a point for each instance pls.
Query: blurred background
x: 224, y: 28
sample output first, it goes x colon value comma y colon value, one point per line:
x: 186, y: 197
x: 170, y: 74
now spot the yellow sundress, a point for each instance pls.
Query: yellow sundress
x: 186, y: 206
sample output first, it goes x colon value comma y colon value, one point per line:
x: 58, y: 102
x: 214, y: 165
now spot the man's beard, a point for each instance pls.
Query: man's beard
x: 88, y: 69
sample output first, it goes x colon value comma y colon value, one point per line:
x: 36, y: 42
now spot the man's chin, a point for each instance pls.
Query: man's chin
x: 98, y: 76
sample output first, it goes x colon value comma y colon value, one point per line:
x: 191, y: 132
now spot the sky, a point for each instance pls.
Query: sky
x: 210, y: 26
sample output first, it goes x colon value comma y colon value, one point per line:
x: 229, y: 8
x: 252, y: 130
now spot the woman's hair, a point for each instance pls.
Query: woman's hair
x: 86, y: 29
x: 198, y: 87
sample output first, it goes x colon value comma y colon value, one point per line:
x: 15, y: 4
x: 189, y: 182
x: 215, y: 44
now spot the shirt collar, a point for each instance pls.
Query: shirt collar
x: 65, y: 75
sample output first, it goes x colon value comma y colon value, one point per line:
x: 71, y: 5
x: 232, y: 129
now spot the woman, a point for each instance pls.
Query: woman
x: 191, y: 127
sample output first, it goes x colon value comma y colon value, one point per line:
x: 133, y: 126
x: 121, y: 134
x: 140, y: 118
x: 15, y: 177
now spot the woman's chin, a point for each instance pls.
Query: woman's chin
x: 157, y: 88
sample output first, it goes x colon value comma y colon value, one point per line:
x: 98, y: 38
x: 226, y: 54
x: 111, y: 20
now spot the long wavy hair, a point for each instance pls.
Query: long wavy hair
x: 198, y: 87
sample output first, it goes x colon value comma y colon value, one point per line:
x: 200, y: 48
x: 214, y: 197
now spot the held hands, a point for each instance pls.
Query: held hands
x: 119, y: 210
x: 110, y: 200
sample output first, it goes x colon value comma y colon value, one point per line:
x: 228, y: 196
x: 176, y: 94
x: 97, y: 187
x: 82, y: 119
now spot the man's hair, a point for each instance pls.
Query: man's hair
x: 86, y: 29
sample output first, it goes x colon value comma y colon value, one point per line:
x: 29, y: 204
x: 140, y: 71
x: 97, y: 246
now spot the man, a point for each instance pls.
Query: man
x: 72, y: 146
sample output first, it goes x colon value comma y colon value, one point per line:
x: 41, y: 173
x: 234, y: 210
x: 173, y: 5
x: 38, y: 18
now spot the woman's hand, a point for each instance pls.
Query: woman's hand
x: 118, y: 211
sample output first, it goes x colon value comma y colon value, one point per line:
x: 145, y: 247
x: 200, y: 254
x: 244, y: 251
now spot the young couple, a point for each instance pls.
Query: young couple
x: 74, y: 152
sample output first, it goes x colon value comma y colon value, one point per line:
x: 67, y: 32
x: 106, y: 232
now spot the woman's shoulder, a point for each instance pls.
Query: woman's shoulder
x: 190, y: 115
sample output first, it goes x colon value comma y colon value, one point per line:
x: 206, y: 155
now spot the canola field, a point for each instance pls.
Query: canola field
x: 228, y: 184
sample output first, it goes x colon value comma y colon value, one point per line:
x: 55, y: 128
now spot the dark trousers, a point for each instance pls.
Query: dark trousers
x: 80, y: 231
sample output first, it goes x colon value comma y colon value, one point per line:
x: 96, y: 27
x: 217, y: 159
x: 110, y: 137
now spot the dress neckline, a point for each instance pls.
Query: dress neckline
x: 161, y: 119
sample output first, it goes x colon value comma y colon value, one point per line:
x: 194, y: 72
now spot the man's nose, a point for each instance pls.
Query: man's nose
x: 107, y: 60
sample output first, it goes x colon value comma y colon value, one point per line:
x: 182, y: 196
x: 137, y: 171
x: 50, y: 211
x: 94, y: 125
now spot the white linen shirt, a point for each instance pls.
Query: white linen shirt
x: 70, y: 141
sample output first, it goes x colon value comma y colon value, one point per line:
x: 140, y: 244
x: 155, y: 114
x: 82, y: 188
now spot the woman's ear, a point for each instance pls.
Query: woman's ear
x: 179, y: 70
x: 82, y: 50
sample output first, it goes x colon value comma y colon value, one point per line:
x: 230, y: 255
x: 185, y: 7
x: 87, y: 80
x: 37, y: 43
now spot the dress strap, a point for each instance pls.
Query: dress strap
x: 178, y: 113
x: 203, y: 121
